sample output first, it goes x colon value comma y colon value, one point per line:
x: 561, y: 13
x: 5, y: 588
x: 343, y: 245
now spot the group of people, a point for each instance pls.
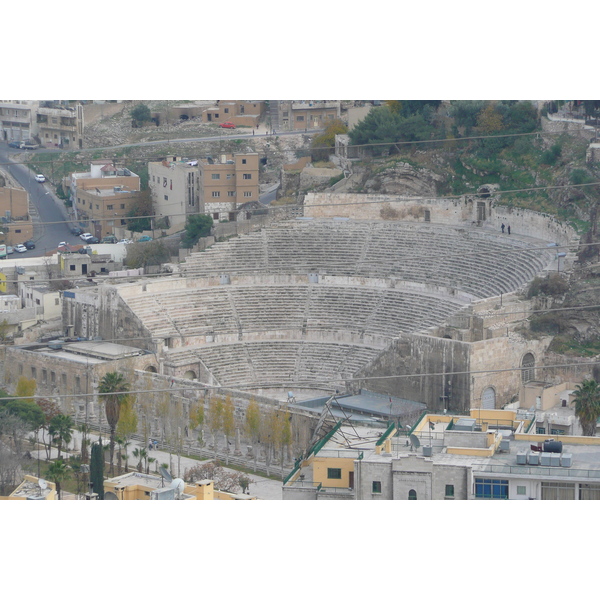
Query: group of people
x: 507, y: 229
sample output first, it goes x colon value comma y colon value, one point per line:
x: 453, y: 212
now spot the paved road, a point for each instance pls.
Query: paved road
x: 45, y: 208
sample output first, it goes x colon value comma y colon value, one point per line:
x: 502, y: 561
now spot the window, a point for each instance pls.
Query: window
x: 247, y: 175
x: 521, y: 490
x: 77, y: 385
x: 166, y: 197
x: 541, y: 430
x: 229, y: 176
x: 589, y: 491
x: 72, y: 267
x: 412, y: 495
x: 494, y: 489
x: 376, y: 487
x: 122, y: 206
x: 334, y: 473
x: 244, y: 161
x: 449, y: 493
x: 300, y: 118
x: 230, y: 194
x: 33, y: 372
x: 215, y: 176
x: 110, y: 206
x: 557, y: 490
x: 215, y: 216
x: 557, y: 432
x: 247, y: 194
x: 226, y: 111
x: 20, y: 368
x: 44, y: 376
x: 216, y: 194
x: 64, y: 380
x: 52, y: 377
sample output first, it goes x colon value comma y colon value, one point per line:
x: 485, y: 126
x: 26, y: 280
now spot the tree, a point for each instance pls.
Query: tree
x: 196, y: 226
x: 140, y: 212
x: 252, y: 426
x: 97, y: 470
x: 197, y: 416
x: 324, y: 144
x: 226, y: 481
x: 586, y: 399
x: 147, y: 253
x: 18, y: 417
x: 140, y: 114
x: 4, y: 329
x: 215, y: 419
x: 113, y: 390
x: 58, y: 472
x: 228, y: 424
x: 50, y: 410
x: 489, y: 120
x: 25, y: 388
x: 61, y: 431
x: 142, y: 455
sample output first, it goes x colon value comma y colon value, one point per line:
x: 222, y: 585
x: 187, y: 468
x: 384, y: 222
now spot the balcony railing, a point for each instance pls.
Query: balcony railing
x: 540, y: 471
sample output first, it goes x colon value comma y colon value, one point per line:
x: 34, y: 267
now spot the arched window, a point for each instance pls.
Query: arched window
x: 412, y: 495
x: 528, y: 368
x: 488, y: 398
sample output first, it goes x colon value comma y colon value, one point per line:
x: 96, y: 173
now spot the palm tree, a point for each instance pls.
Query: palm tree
x: 586, y: 399
x: 61, y: 430
x: 141, y: 454
x: 114, y: 387
x: 58, y: 472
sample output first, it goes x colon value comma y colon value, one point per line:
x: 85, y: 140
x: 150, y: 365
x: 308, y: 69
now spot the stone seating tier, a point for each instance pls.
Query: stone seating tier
x: 478, y: 262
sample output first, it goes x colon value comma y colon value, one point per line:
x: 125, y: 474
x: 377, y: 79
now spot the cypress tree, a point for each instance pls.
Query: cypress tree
x: 97, y: 470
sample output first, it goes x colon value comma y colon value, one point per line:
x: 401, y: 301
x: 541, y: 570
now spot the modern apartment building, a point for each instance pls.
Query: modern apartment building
x: 228, y: 182
x: 175, y: 189
x: 103, y: 196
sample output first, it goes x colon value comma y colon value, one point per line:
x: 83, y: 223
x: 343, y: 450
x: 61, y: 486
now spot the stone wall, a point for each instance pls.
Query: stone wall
x: 398, y: 370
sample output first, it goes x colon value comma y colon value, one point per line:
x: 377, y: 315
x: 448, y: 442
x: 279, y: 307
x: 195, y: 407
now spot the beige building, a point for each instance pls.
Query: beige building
x: 15, y: 202
x: 60, y: 126
x: 18, y: 121
x: 293, y: 116
x: 103, y: 196
x: 239, y: 112
x: 227, y: 183
x: 175, y: 188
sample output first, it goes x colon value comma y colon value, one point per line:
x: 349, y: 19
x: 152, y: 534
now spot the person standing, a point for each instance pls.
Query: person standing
x: 508, y: 229
x: 502, y: 227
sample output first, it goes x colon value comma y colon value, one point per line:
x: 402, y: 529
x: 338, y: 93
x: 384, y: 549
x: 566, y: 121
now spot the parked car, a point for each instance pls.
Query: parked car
x: 76, y: 230
x: 93, y: 240
x: 29, y: 244
x: 9, y: 249
x: 109, y: 239
x: 40, y: 178
x: 86, y: 236
x: 15, y: 144
x: 20, y: 248
x: 29, y: 145
x: 145, y: 238
x: 61, y: 244
x: 125, y: 241
x: 227, y: 125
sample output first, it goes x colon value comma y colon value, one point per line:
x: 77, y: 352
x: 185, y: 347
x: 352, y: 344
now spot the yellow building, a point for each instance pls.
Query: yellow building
x: 16, y: 202
x: 32, y: 488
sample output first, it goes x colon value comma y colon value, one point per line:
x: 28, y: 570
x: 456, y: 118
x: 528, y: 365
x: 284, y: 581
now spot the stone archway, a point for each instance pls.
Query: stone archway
x: 151, y: 369
x: 528, y: 368
x: 190, y: 375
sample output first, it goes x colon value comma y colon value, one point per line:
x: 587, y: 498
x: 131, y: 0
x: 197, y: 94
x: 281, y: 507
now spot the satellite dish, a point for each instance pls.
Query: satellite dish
x: 166, y: 474
x: 414, y: 440
x: 178, y: 485
x: 42, y: 483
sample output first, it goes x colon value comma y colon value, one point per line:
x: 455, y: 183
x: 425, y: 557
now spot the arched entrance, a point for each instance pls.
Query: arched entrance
x: 528, y: 368
x: 488, y: 398
x: 189, y: 375
x: 150, y: 369
x: 412, y: 495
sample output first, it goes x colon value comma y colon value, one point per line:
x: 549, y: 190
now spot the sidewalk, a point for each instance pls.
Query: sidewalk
x: 263, y: 488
